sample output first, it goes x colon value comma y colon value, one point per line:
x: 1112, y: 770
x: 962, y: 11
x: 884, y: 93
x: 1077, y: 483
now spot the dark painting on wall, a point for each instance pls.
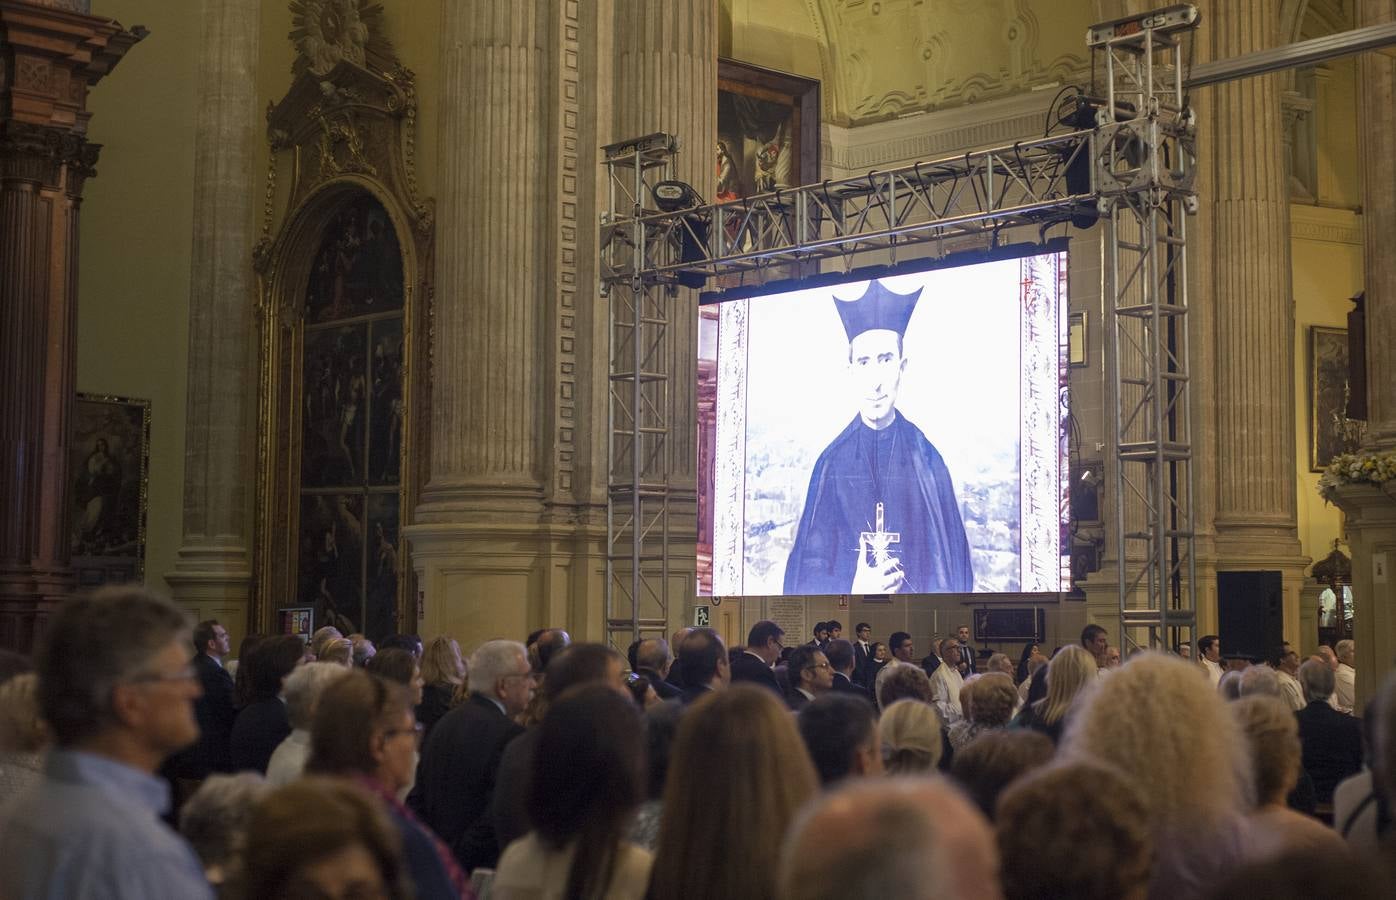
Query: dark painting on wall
x: 108, y: 462
x: 767, y: 130
x: 1331, y: 432
x: 331, y: 559
x: 382, y: 576
x: 386, y: 402
x: 334, y: 410
x: 358, y: 268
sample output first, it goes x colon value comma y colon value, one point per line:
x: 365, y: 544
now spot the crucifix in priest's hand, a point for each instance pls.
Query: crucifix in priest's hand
x: 881, y: 541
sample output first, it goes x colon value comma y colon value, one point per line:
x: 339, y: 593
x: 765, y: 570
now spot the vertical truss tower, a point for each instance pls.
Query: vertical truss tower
x: 637, y: 480
x: 1145, y: 162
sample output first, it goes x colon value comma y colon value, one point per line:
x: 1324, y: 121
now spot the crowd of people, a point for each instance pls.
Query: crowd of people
x: 137, y: 759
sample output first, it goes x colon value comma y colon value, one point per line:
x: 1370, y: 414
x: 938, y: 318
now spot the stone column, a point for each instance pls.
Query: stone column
x: 1371, y: 511
x: 666, y: 80
x: 50, y: 56
x: 1376, y: 91
x: 475, y: 535
x: 1247, y: 199
x: 213, y: 574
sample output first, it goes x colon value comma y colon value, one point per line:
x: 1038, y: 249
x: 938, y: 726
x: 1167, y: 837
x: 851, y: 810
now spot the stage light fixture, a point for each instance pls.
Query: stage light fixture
x: 672, y: 196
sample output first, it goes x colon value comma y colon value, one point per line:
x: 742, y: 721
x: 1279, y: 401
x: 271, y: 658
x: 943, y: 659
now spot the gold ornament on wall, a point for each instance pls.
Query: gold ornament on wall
x: 328, y: 32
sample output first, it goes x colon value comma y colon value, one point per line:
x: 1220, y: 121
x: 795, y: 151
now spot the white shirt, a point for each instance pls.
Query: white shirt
x: 1290, y: 692
x: 1345, y: 687
x: 1214, y: 671
x: 946, y: 683
x: 528, y: 870
x: 288, y: 759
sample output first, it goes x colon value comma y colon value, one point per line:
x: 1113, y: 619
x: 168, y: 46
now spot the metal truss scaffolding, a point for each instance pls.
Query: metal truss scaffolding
x: 1132, y: 168
x: 638, y: 490
x: 1145, y: 169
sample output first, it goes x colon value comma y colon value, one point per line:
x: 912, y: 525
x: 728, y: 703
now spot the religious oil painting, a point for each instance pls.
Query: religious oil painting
x: 1331, y: 432
x: 108, y: 469
x: 352, y: 417
x: 767, y: 131
x: 904, y: 434
x: 358, y: 269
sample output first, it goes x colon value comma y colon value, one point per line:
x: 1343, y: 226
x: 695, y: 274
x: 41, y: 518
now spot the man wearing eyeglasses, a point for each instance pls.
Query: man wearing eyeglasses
x: 763, y: 648
x: 811, y: 676
x: 117, y: 690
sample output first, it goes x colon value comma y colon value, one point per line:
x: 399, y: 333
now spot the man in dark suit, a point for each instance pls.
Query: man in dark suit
x: 821, y: 635
x: 705, y: 665
x: 862, y: 652
x: 1331, y: 742
x: 456, y: 775
x: 675, y: 676
x: 811, y: 677
x: 653, y: 660
x: 762, y: 650
x: 214, y: 710
x: 840, y: 656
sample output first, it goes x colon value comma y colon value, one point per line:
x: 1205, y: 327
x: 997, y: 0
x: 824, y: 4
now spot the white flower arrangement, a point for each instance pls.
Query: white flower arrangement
x: 1354, y: 468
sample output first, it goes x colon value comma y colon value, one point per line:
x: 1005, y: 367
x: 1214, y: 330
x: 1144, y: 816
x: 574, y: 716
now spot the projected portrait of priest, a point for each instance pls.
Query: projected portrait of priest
x: 880, y: 515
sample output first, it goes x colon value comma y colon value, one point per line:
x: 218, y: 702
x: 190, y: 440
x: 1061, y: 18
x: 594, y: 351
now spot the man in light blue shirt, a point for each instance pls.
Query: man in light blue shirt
x: 117, y: 690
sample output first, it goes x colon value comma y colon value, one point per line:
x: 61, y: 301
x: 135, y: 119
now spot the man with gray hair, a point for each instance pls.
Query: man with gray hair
x: 1331, y: 741
x: 1345, y: 678
x: 460, y: 762
x: 653, y: 660
x: 908, y: 838
x: 1259, y: 680
x: 117, y: 689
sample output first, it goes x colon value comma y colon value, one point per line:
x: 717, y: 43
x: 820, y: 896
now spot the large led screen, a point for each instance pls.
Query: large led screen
x: 901, y: 435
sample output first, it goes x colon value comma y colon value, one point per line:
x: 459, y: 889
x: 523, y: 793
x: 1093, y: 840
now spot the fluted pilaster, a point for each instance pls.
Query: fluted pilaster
x: 666, y: 80
x: 1376, y: 87
x: 493, y: 266
x: 213, y: 562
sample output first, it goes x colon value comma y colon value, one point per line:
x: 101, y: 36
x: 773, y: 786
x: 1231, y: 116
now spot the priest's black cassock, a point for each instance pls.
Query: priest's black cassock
x: 895, y: 466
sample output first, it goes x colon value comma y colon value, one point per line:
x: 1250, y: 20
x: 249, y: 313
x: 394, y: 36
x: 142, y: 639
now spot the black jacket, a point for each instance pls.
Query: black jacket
x: 216, y: 715
x: 259, y: 728
x: 1332, y: 746
x: 751, y: 669
x: 456, y: 778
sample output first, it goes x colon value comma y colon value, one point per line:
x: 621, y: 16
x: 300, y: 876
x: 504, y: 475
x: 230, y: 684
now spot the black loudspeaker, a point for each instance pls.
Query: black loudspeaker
x: 997, y: 624
x: 1250, y: 613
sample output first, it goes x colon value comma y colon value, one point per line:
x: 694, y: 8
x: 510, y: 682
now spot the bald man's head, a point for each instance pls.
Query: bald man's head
x: 909, y: 838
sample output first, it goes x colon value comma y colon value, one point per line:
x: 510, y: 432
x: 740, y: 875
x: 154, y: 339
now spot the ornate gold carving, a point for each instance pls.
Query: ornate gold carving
x: 338, y: 133
x: 328, y: 32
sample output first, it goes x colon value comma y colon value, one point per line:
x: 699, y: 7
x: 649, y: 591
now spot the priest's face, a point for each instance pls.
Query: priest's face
x: 876, y: 364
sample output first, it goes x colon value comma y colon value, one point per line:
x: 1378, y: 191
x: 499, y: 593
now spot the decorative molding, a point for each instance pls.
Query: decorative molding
x: 328, y: 32
x: 933, y: 78
x: 848, y: 151
x: 1325, y: 224
x: 565, y: 438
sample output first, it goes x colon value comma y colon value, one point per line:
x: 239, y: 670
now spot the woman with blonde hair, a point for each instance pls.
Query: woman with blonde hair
x: 1169, y: 731
x: 910, y: 735
x: 988, y: 706
x: 1272, y: 736
x: 443, y: 671
x: 1069, y: 673
x: 739, y: 773
x: 337, y: 650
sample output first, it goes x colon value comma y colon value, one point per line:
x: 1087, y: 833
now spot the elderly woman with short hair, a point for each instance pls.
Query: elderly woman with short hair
x: 302, y: 693
x: 214, y: 822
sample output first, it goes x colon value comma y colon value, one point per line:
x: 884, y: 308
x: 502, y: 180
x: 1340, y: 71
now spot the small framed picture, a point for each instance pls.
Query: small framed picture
x: 298, y: 620
x: 1076, y: 340
x: 108, y: 479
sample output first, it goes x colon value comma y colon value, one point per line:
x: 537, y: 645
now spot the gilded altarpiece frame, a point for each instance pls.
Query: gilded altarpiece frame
x: 347, y: 137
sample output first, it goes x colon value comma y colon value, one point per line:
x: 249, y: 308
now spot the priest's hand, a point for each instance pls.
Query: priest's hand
x: 878, y: 578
